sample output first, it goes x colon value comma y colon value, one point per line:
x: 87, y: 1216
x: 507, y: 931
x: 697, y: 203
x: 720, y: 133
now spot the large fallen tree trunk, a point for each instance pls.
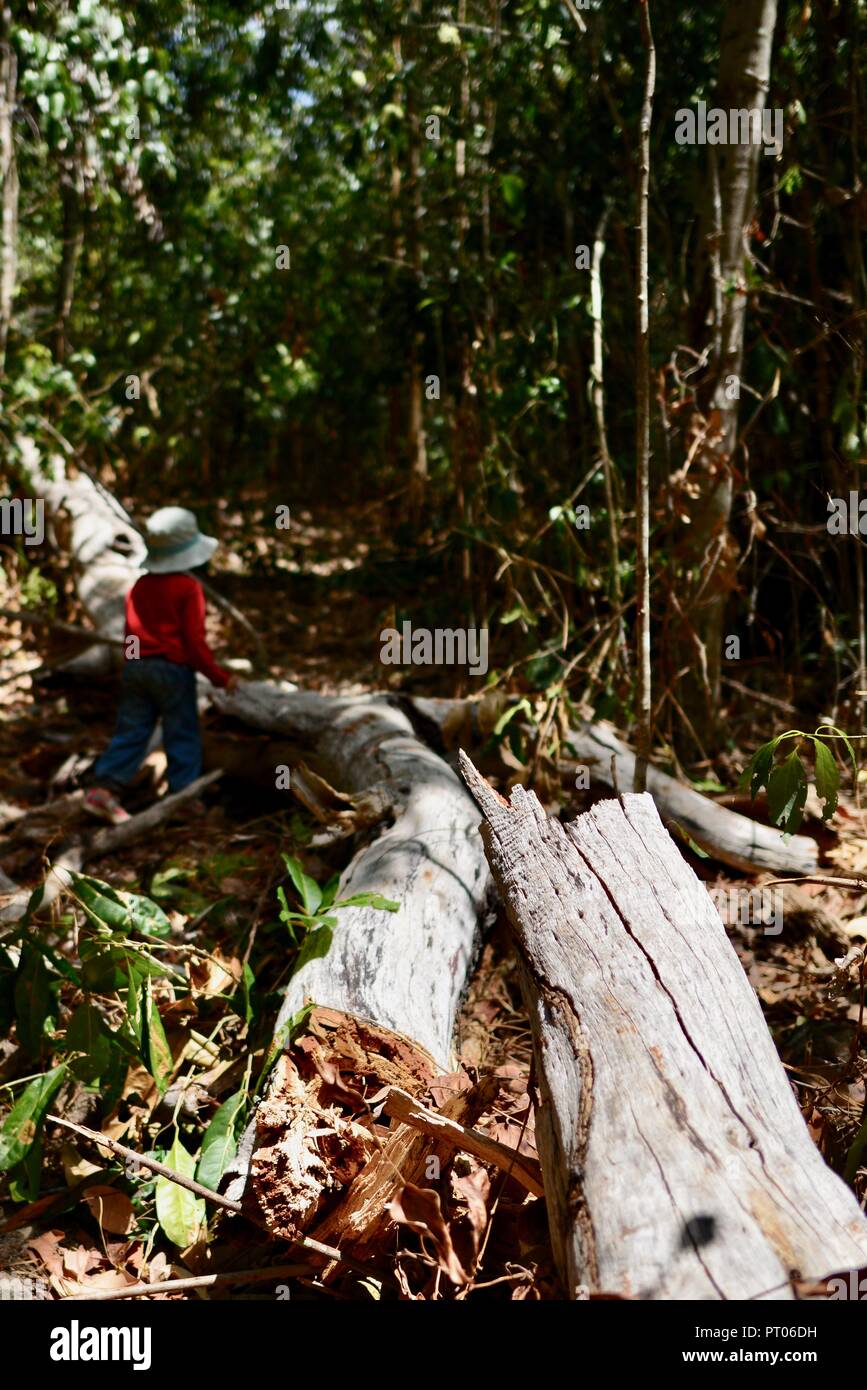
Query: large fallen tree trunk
x: 106, y: 550
x: 394, y: 979
x: 675, y: 1159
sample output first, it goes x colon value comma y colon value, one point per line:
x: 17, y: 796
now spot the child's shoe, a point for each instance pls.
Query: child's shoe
x: 99, y: 801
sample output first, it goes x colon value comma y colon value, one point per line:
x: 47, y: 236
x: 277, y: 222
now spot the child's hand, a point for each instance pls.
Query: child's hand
x: 232, y: 684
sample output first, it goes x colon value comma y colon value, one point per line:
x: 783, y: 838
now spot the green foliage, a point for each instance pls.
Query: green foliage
x: 38, y: 591
x: 22, y: 1126
x: 786, y: 780
x: 181, y: 1213
x: 311, y: 928
x: 220, y: 1140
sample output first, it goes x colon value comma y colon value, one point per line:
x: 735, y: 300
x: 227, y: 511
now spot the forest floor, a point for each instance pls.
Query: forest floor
x: 93, y: 1227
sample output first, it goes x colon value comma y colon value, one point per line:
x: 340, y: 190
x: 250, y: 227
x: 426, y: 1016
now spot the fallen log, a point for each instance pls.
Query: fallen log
x: 724, y: 835
x: 676, y: 1162
x: 105, y: 548
x: 395, y: 979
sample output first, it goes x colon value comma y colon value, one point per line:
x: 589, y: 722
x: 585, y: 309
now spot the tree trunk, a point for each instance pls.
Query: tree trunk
x: 744, y: 79
x: 71, y: 194
x: 676, y: 1162
x: 8, y: 181
x: 390, y: 983
x: 106, y: 550
x: 417, y: 436
x: 643, y: 713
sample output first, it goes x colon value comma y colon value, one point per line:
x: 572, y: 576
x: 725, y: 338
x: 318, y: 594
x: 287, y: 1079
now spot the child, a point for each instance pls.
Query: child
x: 165, y: 612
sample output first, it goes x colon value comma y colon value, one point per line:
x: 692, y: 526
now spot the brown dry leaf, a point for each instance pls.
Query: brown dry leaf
x: 442, y: 1088
x: 330, y: 1074
x: 48, y: 1249
x: 81, y: 1260
x: 104, y: 1279
x: 113, y: 1210
x: 419, y: 1208
x: 475, y: 1189
x: 216, y: 974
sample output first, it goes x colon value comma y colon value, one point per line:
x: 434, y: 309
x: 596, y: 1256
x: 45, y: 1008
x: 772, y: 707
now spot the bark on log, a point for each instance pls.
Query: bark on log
x: 675, y: 1158
x: 403, y: 972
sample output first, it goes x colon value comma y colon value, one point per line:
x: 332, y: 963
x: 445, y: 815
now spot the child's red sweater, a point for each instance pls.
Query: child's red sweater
x: 166, y: 612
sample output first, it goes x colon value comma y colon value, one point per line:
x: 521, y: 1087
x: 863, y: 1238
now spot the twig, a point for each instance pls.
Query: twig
x: 760, y: 696
x: 17, y: 615
x: 153, y: 1164
x: 330, y: 1252
x: 116, y: 835
x: 237, y: 616
x: 859, y: 881
x: 200, y: 1281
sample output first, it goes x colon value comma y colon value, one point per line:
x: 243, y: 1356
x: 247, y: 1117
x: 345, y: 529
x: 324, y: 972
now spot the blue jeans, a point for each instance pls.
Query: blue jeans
x: 154, y: 688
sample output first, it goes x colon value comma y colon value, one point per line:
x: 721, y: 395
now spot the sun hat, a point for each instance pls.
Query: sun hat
x: 175, y: 542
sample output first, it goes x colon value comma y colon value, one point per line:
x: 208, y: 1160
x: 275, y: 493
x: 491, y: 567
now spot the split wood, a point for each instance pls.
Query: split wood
x: 400, y: 1105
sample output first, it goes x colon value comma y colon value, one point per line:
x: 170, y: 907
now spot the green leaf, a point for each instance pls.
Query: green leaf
x: 840, y: 734
x: 31, y: 998
x: 523, y: 706
x: 122, y: 912
x: 330, y: 890
x: 374, y: 900
x: 755, y: 774
x: 24, y: 1121
x: 316, y: 944
x: 512, y: 186
x: 220, y: 1141
x: 827, y: 777
x: 156, y: 1052
x: 181, y: 1213
x: 308, y: 889
x: 24, y: 1177
x: 787, y: 792
x: 88, y: 1035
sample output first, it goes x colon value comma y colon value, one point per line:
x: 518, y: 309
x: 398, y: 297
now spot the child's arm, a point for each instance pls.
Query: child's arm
x: 200, y: 656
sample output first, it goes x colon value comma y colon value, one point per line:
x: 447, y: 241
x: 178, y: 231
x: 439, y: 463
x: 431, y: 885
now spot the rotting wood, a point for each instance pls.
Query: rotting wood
x: 676, y: 1162
x: 361, y: 1220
